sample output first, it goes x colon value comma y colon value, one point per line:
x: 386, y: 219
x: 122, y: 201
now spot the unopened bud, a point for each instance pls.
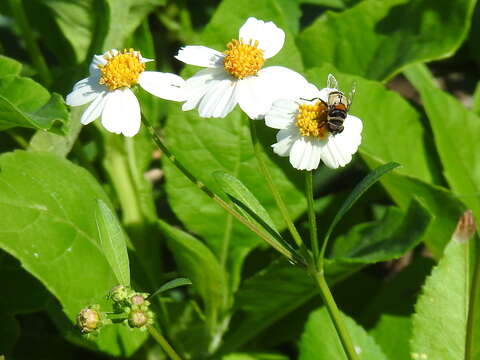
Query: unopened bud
x: 119, y: 293
x: 466, y: 227
x: 139, y: 300
x: 89, y: 319
x: 140, y: 318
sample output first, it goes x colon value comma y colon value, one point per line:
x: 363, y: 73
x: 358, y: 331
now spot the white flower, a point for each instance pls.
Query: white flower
x: 304, y: 134
x: 237, y: 75
x: 108, y: 89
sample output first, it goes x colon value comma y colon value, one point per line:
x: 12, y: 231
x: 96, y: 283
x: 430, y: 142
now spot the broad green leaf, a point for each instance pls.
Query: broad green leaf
x: 200, y: 265
x: 25, y: 103
x: 377, y: 38
x: 48, y: 223
x: 113, y: 242
x: 320, y: 339
x: 441, y: 313
x: 9, y: 66
x: 391, y: 236
x: 172, y: 284
x: 388, y: 316
x: 456, y: 132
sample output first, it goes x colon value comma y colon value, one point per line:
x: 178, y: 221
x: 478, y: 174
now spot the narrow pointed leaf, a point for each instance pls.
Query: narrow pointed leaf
x: 172, y: 284
x: 113, y: 242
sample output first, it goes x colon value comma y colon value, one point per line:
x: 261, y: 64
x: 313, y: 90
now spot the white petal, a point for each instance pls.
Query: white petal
x: 219, y: 99
x: 96, y: 62
x: 84, y: 91
x: 257, y: 93
x: 163, y: 85
x: 338, y: 149
x: 198, y: 85
x: 270, y: 37
x: 285, y: 140
x: 94, y: 110
x: 200, y: 56
x: 310, y: 93
x: 305, y: 154
x: 282, y: 114
x: 121, y: 114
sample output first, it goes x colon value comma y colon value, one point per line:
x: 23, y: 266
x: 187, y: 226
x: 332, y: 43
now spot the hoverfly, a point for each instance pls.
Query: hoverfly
x: 337, y: 106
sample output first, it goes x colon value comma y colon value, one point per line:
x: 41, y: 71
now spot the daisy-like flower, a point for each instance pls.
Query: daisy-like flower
x: 237, y: 75
x: 108, y: 88
x: 306, y: 135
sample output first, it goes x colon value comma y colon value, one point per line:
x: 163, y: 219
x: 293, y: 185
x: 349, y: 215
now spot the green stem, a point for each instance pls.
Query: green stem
x: 471, y: 344
x: 160, y: 339
x: 311, y: 214
x: 335, y: 315
x: 18, y: 138
x: 32, y: 47
x: 257, y: 148
x: 163, y: 147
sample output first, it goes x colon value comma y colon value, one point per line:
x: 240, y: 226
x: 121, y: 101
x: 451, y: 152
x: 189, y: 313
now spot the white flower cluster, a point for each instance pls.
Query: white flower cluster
x: 314, y: 124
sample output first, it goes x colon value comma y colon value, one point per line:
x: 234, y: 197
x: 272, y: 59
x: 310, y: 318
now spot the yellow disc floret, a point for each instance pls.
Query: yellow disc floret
x: 311, y: 120
x: 122, y: 69
x: 243, y: 60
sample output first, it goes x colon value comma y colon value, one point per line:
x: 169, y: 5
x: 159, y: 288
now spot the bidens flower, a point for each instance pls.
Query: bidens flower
x: 237, y: 75
x: 315, y: 127
x: 108, y: 89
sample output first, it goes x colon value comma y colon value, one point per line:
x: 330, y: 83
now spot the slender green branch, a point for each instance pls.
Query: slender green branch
x: 311, y: 214
x: 473, y: 305
x: 160, y: 339
x: 163, y: 147
x: 335, y: 315
x: 18, y: 138
x: 257, y: 147
x: 32, y: 47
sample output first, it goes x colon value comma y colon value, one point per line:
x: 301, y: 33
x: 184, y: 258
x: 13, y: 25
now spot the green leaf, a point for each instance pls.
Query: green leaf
x: 254, y: 356
x: 440, y: 320
x: 172, y: 284
x: 456, y: 133
x: 320, y: 339
x: 388, y: 315
x: 48, y: 224
x: 9, y: 66
x: 113, y: 242
x: 197, y: 262
x: 25, y: 103
x: 357, y: 192
x: 390, y: 237
x: 376, y: 39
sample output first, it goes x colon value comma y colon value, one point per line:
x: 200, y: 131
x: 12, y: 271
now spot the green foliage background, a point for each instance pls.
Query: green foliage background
x: 69, y: 195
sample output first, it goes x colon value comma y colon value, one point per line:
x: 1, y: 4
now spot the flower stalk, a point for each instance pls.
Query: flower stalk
x: 257, y: 148
x: 311, y: 214
x: 160, y: 339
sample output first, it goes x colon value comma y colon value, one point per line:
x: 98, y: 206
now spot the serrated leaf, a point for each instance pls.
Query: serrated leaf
x: 377, y: 38
x: 48, y: 223
x: 113, y: 242
x: 441, y: 313
x: 320, y: 339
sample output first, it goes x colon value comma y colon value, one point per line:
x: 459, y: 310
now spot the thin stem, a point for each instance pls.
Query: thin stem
x: 18, y: 138
x: 311, y: 214
x: 257, y: 148
x: 471, y: 345
x: 160, y: 339
x: 163, y: 147
x: 335, y: 315
x: 32, y: 47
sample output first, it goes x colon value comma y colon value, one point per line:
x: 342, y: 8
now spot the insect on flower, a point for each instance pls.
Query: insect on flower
x: 316, y: 126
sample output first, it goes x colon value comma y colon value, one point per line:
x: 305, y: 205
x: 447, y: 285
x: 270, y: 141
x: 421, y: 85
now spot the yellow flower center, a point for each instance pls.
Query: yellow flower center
x: 121, y: 70
x: 311, y: 120
x: 243, y: 60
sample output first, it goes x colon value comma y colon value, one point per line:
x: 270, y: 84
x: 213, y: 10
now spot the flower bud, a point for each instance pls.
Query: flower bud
x: 138, y: 300
x: 89, y: 319
x: 119, y: 293
x: 139, y: 318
